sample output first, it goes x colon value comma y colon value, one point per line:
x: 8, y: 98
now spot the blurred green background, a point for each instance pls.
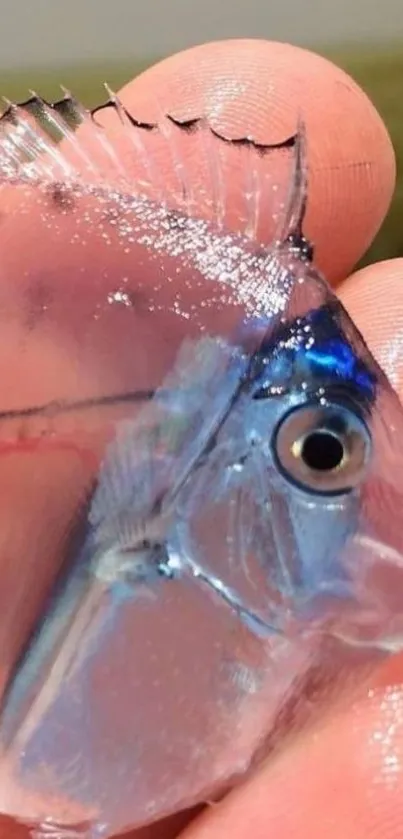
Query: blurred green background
x: 378, y: 71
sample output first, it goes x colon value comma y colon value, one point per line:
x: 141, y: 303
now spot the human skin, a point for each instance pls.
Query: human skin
x: 343, y: 775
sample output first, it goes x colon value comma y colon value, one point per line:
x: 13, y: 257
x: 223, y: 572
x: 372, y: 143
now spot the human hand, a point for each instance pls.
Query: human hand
x: 343, y: 775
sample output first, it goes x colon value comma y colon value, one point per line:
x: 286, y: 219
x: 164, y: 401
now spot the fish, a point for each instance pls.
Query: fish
x: 230, y: 485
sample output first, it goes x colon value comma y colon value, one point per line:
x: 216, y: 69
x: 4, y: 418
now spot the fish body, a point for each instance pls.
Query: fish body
x: 231, y: 520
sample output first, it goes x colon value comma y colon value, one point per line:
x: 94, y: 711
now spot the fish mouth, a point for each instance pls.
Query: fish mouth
x: 373, y: 616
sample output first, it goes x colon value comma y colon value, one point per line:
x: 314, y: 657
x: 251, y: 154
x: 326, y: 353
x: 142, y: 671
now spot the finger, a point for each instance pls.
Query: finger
x: 374, y: 297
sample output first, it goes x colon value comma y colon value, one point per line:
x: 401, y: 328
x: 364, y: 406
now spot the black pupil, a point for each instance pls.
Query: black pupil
x: 322, y: 451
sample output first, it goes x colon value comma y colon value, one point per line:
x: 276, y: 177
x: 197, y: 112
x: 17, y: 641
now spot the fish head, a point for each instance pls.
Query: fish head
x: 292, y: 515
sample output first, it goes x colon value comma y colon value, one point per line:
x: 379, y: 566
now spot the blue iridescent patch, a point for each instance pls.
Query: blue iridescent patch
x: 315, y: 350
x: 337, y: 357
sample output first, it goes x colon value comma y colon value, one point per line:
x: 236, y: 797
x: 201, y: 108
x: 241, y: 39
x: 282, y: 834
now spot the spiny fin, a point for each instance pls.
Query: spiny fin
x: 114, y: 103
x: 38, y: 143
x: 297, y: 203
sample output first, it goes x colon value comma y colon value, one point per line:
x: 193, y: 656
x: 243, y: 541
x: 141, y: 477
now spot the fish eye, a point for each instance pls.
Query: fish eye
x: 323, y: 449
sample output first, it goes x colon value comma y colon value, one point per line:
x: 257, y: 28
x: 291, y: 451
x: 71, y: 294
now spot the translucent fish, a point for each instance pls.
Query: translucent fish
x: 199, y: 454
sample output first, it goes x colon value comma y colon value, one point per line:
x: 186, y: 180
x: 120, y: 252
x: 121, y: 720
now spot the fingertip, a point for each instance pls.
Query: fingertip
x: 374, y: 299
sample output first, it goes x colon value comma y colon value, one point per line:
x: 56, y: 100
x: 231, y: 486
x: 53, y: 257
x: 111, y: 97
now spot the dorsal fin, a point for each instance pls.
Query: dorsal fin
x: 64, y: 141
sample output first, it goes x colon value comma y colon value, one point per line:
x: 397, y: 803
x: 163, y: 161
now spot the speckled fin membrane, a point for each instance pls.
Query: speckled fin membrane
x: 108, y: 184
x: 39, y: 142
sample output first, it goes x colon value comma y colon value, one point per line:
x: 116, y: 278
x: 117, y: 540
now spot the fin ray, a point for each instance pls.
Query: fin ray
x: 35, y: 136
